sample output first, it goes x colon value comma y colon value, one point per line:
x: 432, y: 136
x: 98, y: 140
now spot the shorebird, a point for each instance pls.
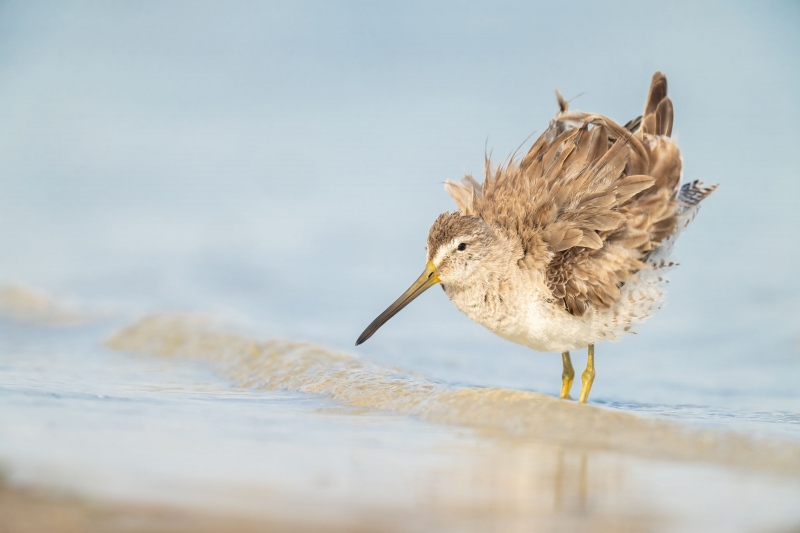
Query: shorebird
x: 569, y: 245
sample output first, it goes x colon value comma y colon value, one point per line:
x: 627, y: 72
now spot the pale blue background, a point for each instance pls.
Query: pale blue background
x: 279, y: 164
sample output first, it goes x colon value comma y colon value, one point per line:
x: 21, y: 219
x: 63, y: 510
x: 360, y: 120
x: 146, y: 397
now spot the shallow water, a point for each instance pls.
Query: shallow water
x: 277, y: 167
x: 207, y: 418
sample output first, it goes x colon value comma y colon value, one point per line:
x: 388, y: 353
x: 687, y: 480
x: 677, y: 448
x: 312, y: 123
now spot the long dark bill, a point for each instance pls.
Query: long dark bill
x: 428, y: 279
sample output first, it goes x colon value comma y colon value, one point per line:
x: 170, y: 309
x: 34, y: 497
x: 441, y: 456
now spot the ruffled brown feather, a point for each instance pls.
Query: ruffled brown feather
x: 589, y: 201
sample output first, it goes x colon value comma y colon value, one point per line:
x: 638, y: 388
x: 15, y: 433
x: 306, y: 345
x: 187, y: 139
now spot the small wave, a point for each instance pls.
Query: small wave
x: 305, y: 367
x: 712, y: 414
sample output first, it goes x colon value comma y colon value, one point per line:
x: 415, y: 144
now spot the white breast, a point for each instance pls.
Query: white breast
x: 522, y: 314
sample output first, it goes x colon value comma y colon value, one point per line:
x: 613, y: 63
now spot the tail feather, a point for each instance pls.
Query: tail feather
x: 658, y: 91
x: 664, y: 114
x: 658, y: 112
x: 691, y: 194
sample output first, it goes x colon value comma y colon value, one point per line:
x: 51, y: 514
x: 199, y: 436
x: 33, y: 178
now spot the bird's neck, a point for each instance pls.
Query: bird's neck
x: 488, y: 293
x: 502, y: 297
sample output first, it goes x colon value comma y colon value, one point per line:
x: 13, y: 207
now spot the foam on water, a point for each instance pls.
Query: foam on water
x: 304, y: 367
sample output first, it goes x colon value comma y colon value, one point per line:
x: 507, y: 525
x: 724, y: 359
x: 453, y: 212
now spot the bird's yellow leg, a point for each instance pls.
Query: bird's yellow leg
x: 587, y: 378
x: 567, y: 375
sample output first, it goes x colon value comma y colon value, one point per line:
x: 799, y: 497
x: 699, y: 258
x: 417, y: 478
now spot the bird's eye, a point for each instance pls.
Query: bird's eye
x: 462, y: 246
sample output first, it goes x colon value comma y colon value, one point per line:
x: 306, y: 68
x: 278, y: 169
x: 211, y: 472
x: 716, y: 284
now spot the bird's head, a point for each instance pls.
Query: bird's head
x: 460, y: 249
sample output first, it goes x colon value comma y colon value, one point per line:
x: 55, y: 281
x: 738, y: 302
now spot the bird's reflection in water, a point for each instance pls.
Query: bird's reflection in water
x: 543, y: 487
x: 570, y: 487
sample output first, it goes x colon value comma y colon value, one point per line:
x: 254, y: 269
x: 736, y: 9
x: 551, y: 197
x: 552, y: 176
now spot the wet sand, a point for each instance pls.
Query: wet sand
x: 26, y: 509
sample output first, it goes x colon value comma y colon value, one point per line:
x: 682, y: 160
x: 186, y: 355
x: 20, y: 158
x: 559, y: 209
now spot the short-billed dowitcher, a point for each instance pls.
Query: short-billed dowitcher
x: 569, y: 245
